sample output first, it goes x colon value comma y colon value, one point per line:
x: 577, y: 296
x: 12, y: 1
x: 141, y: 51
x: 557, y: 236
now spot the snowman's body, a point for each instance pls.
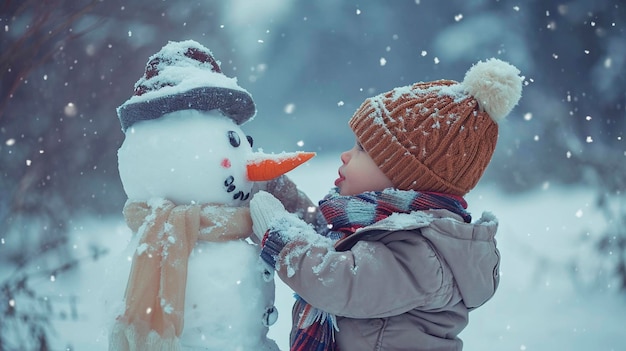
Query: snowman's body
x: 194, y: 157
x: 227, y: 299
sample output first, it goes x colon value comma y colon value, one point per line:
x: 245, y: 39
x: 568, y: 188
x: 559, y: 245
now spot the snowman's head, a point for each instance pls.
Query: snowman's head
x: 186, y: 156
x: 183, y: 140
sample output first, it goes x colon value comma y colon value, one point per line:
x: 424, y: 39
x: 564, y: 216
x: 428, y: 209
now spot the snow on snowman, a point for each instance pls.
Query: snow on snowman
x: 187, y: 168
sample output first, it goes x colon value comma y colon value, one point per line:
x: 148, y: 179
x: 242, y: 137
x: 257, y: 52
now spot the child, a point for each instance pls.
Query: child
x: 400, y: 265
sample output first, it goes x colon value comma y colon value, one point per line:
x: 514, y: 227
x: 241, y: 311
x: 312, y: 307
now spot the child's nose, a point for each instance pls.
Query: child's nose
x: 345, y: 157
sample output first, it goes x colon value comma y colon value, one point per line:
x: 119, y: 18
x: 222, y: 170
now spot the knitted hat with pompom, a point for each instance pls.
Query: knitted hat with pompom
x: 439, y: 136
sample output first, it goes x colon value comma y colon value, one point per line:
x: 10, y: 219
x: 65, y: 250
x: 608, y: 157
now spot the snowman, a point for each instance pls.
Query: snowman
x: 196, y: 282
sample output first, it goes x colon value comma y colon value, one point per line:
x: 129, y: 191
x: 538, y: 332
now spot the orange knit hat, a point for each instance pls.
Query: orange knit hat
x: 439, y: 136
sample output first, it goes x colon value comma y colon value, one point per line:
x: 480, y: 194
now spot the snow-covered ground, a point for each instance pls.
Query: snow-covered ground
x: 551, y: 296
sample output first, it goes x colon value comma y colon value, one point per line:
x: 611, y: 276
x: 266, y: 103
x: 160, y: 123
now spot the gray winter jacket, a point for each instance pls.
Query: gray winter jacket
x: 404, y: 283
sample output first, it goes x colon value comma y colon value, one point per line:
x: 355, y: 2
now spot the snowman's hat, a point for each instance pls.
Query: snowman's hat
x: 182, y: 76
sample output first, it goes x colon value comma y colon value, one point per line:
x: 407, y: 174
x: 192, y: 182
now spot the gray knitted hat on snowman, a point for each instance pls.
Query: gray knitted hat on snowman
x: 183, y: 76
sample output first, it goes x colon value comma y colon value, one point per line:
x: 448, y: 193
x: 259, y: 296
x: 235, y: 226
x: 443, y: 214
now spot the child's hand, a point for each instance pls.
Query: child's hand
x: 264, y: 208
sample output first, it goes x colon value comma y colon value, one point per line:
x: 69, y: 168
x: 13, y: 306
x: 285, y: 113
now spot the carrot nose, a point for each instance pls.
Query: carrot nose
x: 269, y: 166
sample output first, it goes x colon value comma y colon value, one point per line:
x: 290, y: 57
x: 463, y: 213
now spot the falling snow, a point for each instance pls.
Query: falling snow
x: 309, y: 69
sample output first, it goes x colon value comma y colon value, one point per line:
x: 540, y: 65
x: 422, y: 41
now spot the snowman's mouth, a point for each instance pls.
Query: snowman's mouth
x: 230, y: 186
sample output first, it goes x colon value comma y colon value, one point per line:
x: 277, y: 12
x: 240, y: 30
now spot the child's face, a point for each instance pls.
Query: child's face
x: 359, y: 173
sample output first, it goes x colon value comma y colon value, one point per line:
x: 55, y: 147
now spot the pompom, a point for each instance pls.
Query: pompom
x: 496, y: 85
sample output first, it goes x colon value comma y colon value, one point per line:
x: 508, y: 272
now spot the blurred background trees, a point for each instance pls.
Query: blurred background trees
x: 66, y: 65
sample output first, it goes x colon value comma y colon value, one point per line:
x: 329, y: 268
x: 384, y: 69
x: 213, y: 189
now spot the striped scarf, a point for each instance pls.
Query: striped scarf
x: 345, y: 215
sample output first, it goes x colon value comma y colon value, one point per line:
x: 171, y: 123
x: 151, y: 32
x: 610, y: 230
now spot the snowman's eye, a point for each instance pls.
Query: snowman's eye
x: 233, y: 137
x: 250, y: 140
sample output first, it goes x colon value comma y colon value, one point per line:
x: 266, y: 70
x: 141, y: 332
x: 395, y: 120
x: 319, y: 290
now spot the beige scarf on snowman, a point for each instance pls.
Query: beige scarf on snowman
x: 155, y: 293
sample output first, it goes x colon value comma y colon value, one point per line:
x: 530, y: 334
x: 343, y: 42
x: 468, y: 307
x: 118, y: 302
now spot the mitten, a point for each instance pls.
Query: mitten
x: 265, y: 208
x: 269, y: 216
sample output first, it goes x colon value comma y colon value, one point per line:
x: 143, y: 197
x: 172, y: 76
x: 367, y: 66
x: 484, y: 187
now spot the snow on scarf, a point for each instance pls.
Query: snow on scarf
x: 345, y: 215
x: 155, y: 293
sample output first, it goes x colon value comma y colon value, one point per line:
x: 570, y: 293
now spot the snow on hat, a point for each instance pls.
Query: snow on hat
x: 182, y: 76
x: 439, y: 136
